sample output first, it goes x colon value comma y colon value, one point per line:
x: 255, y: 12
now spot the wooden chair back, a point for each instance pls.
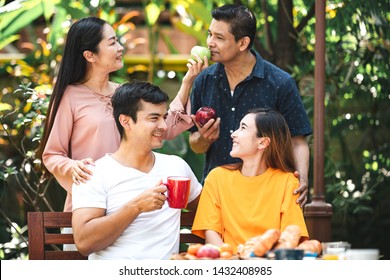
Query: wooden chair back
x: 45, y: 239
x: 186, y: 237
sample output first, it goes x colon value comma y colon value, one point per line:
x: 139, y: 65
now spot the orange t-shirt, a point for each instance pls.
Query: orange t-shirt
x: 240, y: 207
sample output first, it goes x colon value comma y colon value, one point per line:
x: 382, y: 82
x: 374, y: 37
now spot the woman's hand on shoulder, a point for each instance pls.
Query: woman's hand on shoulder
x: 80, y: 171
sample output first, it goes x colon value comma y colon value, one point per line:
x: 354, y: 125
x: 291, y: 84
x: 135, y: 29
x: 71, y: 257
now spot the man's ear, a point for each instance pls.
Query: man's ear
x: 89, y: 56
x: 125, y: 121
x: 244, y: 43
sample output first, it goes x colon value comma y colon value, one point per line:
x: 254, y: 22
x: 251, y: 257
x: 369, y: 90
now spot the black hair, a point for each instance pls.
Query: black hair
x: 242, y: 21
x: 127, y: 97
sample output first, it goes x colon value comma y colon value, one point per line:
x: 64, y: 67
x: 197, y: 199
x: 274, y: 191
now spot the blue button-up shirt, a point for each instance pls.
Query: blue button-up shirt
x: 266, y: 86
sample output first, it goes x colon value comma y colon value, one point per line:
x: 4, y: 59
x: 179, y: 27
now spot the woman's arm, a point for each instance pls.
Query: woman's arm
x: 179, y: 114
x: 213, y: 237
x: 55, y: 156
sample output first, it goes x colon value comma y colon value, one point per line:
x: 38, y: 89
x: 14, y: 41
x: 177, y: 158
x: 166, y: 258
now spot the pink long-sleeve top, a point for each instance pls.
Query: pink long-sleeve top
x: 85, y: 128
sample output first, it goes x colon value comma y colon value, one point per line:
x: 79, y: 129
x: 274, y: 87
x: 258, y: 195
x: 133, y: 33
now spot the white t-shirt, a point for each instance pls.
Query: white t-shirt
x: 152, y: 235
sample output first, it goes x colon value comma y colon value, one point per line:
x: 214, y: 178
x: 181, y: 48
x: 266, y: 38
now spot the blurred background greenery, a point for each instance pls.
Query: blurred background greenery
x: 158, y: 36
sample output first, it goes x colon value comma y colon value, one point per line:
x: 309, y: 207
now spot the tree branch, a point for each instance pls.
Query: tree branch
x: 306, y: 19
x: 268, y: 35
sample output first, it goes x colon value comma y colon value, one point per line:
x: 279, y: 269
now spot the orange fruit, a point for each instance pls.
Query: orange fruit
x: 225, y: 255
x: 226, y: 247
x: 193, y: 248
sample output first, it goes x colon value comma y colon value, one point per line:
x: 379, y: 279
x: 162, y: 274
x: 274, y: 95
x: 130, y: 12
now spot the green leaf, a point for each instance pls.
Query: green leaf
x: 20, y: 20
x: 200, y: 11
x: 8, y: 41
x: 5, y: 107
x: 74, y: 11
x: 56, y: 30
x: 200, y: 36
x: 152, y: 13
x: 48, y: 7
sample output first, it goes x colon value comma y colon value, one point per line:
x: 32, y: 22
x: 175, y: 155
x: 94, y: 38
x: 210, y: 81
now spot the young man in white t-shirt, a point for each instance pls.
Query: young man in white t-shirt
x: 121, y: 212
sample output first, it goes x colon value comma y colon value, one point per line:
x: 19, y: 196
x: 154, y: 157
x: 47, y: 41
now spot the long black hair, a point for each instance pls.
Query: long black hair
x: 84, y: 35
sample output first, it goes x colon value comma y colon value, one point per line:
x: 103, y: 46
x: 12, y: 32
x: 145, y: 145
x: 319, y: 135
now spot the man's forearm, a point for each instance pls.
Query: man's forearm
x: 100, y: 232
x: 198, y: 144
x: 302, y: 156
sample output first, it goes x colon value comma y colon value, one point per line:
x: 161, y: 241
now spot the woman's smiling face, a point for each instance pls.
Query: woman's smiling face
x: 110, y: 50
x: 245, y: 141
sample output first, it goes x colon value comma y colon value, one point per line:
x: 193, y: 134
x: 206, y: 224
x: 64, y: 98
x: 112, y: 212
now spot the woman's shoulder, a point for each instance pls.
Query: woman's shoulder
x: 281, y: 173
x: 222, y: 170
x: 74, y: 89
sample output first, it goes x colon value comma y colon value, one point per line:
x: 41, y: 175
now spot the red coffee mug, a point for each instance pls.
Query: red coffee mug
x: 178, y: 191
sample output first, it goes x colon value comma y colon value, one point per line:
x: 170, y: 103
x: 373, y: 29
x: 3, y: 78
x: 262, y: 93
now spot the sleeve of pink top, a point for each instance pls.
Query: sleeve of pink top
x: 55, y: 156
x: 178, y: 119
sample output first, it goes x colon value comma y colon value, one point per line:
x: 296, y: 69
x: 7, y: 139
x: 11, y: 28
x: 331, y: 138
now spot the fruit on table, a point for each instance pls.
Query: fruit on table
x: 225, y: 255
x: 226, y: 247
x: 224, y: 251
x: 201, y: 52
x: 193, y: 248
x: 204, y: 114
x: 208, y: 251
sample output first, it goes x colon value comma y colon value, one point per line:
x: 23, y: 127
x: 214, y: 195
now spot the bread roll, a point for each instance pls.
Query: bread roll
x: 266, y: 241
x: 245, y: 250
x: 311, y: 245
x: 259, y: 244
x: 289, y: 238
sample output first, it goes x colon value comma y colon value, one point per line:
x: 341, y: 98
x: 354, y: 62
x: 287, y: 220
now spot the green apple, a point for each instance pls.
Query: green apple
x: 201, y: 51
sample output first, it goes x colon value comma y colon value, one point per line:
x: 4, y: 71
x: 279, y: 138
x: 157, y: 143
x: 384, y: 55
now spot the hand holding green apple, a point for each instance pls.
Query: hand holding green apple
x: 201, y: 52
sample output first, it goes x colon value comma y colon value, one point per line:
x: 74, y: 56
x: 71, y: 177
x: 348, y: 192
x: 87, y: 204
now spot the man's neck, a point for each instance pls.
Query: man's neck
x: 241, y: 63
x: 137, y: 159
x: 238, y: 69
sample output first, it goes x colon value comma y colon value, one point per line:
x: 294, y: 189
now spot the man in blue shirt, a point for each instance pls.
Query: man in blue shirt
x: 241, y: 80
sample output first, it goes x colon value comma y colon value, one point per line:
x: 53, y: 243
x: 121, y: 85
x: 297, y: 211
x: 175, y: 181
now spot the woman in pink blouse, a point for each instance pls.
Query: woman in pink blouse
x: 80, y: 127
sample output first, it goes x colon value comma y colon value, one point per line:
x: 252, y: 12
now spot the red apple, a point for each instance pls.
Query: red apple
x: 208, y: 251
x: 204, y: 114
x: 214, y: 252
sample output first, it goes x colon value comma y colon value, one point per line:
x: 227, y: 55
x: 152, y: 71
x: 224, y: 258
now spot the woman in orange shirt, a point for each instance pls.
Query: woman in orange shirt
x: 243, y: 201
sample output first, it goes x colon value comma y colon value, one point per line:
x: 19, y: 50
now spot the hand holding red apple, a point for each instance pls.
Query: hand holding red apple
x: 204, y: 114
x: 208, y: 129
